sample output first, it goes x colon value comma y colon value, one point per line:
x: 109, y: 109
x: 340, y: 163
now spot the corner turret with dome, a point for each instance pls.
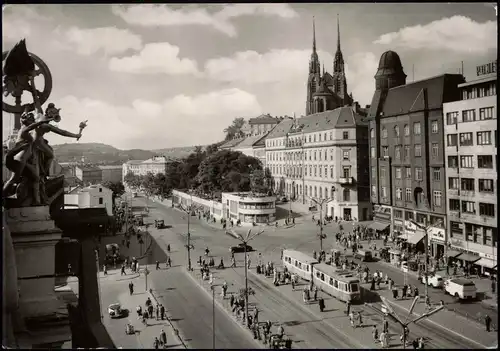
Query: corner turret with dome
x: 390, y: 72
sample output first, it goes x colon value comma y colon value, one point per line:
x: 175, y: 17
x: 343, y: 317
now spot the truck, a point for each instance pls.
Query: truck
x: 460, y: 288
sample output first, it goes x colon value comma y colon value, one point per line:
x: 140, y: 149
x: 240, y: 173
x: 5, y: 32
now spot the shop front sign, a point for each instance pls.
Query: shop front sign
x: 436, y: 234
x: 410, y: 228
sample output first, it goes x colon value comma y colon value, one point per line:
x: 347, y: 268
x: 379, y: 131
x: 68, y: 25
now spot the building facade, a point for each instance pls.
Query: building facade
x: 248, y: 207
x: 94, y: 196
x: 112, y: 173
x: 323, y: 156
x: 326, y: 91
x: 262, y: 124
x: 471, y: 171
x: 155, y: 165
x: 407, y: 169
x: 88, y: 174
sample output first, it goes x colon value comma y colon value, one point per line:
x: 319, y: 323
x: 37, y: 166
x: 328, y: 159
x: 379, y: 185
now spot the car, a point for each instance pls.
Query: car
x: 283, y: 199
x: 115, y: 311
x: 240, y: 248
x: 159, y: 223
x: 434, y: 280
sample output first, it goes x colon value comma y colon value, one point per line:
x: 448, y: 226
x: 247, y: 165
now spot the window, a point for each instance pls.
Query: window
x: 416, y: 128
x: 451, y: 139
x: 384, y: 192
x: 408, y: 172
x: 486, y: 113
x: 345, y: 135
x: 484, y: 161
x: 418, y: 150
x: 396, y: 131
x: 100, y: 190
x: 466, y: 162
x: 436, y: 174
x: 408, y: 215
x: 331, y: 172
x: 483, y: 138
x: 398, y: 172
x: 456, y: 229
x: 346, y: 171
x: 467, y: 184
x: 372, y: 133
x: 397, y: 214
x: 466, y: 139
x: 435, y: 150
x: 418, y: 173
x: 453, y: 183
x: 434, y: 127
x: 372, y: 152
x: 468, y: 115
x: 399, y: 194
x: 406, y: 130
x: 101, y: 201
x: 454, y: 205
x: 374, y: 190
x: 384, y: 133
x: 345, y: 155
x: 452, y: 161
x: 486, y: 209
x: 408, y: 195
x: 486, y: 185
x: 385, y: 151
x: 468, y: 206
x: 397, y: 152
x: 382, y: 172
x: 452, y: 118
x: 407, y: 151
x: 347, y: 195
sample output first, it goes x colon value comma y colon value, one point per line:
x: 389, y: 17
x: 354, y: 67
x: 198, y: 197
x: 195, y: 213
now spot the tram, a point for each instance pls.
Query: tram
x: 340, y: 284
x: 299, y: 263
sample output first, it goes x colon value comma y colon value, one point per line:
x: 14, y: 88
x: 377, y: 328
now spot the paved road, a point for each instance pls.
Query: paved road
x: 302, y: 236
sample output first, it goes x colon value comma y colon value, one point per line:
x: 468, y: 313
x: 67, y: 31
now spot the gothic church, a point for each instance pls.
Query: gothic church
x: 326, y: 91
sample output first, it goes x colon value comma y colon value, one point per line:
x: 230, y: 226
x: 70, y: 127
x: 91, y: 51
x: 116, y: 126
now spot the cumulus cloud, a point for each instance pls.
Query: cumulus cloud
x: 458, y: 33
x: 16, y: 22
x: 180, y: 120
x: 165, y: 15
x: 155, y: 58
x: 110, y: 40
x: 289, y: 67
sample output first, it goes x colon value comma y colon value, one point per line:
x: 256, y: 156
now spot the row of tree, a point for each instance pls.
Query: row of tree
x: 209, y: 172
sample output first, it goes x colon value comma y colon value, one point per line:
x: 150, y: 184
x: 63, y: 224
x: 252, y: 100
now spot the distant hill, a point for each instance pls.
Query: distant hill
x: 97, y: 153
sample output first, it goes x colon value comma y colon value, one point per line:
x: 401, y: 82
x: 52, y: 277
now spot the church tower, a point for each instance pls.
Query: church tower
x: 339, y: 78
x: 313, y: 80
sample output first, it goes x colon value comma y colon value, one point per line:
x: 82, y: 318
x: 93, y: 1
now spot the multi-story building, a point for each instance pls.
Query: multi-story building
x: 323, y: 156
x: 88, y: 174
x: 112, y: 173
x: 471, y: 171
x: 262, y: 124
x: 407, y: 172
x: 155, y: 165
x: 249, y: 207
x: 94, y: 196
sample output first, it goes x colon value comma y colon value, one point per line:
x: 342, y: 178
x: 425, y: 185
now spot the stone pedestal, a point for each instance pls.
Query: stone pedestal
x: 34, y: 236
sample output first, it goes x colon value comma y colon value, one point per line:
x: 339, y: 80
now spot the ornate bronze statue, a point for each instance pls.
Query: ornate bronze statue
x: 31, y: 157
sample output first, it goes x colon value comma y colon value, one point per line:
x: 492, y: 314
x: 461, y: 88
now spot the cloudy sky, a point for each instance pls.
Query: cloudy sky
x: 155, y: 76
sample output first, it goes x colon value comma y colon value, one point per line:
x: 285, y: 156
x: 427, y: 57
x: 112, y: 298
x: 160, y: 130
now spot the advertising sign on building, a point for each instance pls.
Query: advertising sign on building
x: 436, y: 234
x: 489, y: 68
x: 410, y: 228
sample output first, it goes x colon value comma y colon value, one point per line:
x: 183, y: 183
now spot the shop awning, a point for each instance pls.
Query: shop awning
x: 486, y: 262
x: 378, y: 226
x: 453, y: 253
x: 415, y: 238
x: 468, y: 257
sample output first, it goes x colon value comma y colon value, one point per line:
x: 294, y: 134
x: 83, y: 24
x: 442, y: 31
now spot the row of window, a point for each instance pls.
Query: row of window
x: 314, y: 171
x: 467, y: 161
x: 311, y: 155
x: 417, y: 151
x: 398, y: 173
x: 409, y: 195
x: 252, y: 206
x: 470, y: 115
x: 479, y: 91
x: 306, y: 139
x: 467, y: 139
x: 468, y: 184
x: 465, y: 206
x: 406, y: 130
x: 474, y: 233
x: 421, y: 218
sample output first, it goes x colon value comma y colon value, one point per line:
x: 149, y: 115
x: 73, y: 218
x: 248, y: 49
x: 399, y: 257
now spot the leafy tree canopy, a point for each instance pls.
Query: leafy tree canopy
x: 235, y: 128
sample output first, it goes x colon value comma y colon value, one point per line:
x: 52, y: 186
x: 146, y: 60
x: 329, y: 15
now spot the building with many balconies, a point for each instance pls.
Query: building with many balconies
x: 472, y: 175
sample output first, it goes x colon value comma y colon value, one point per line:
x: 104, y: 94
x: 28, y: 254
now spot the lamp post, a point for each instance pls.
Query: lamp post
x: 188, y: 210
x: 245, y: 241
x: 389, y: 311
x: 320, y: 204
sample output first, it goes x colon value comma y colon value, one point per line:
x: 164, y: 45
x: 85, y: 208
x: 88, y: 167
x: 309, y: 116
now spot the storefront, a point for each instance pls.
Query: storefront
x: 488, y: 264
x: 382, y: 217
x: 436, y: 241
x: 413, y: 236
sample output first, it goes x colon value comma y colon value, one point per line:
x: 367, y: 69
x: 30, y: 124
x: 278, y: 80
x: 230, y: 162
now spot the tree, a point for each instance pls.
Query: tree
x: 258, y: 181
x: 235, y: 128
x: 116, y: 187
x: 148, y: 183
x: 132, y: 180
x: 212, y: 149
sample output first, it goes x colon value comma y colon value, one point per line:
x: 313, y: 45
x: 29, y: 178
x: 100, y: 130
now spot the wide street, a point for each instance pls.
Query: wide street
x: 302, y: 236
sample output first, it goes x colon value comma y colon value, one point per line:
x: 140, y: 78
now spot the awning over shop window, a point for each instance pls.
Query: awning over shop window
x: 415, y: 238
x: 468, y: 257
x: 378, y: 226
x: 486, y: 262
x: 453, y: 253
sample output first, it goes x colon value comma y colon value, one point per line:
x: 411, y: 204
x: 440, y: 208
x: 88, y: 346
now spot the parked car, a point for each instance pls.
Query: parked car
x: 434, y: 280
x: 240, y: 248
x: 159, y: 223
x: 460, y: 288
x: 283, y: 199
x: 115, y: 311
x: 364, y: 255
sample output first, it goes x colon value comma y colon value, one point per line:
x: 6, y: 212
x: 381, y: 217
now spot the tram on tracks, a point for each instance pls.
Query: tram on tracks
x: 343, y: 285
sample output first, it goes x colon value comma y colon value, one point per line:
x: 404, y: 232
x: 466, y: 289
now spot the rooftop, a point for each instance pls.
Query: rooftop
x: 479, y: 81
x: 250, y: 141
x: 231, y: 143
x: 111, y: 167
x: 263, y: 119
x: 88, y: 168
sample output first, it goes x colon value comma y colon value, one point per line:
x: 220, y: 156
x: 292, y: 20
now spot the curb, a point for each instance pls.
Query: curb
x: 176, y: 331
x: 221, y: 306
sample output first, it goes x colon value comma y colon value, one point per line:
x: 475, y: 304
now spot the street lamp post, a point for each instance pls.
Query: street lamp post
x: 320, y: 204
x: 188, y: 210
x: 245, y: 241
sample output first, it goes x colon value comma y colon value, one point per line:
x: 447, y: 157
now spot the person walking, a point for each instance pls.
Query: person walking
x: 293, y: 284
x: 105, y: 269
x: 375, y: 333
x: 348, y: 308
x: 123, y: 270
x: 162, y: 312
x: 487, y: 322
x: 385, y: 325
x: 157, y: 265
x: 321, y: 303
x: 157, y: 311
x: 163, y: 338
x: 131, y: 288
x: 156, y: 343
x: 315, y: 293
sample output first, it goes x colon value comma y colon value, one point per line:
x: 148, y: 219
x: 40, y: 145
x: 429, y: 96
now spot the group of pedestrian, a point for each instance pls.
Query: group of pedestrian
x: 310, y: 293
x: 356, y: 319
x: 150, y: 311
x: 288, y: 221
x: 161, y: 340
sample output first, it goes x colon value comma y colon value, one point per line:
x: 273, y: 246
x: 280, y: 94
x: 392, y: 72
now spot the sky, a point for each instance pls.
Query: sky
x: 156, y: 76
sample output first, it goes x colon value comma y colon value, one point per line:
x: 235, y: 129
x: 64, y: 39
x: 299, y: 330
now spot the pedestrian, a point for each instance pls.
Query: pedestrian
x: 139, y: 311
x: 162, y: 312
x: 383, y: 339
x: 123, y: 270
x: 131, y: 288
x: 231, y: 300
x: 415, y: 291
x: 375, y: 333
x: 105, y: 269
x: 249, y: 262
x: 150, y: 311
x: 315, y: 293
x: 321, y: 303
x: 157, y: 310
x: 293, y: 284
x: 360, y: 319
x: 157, y: 265
x: 487, y: 322
x: 405, y: 288
x: 256, y: 315
x: 385, y: 325
x: 156, y: 343
x: 372, y: 286
x: 351, y: 319
x: 348, y: 308
x: 169, y: 260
